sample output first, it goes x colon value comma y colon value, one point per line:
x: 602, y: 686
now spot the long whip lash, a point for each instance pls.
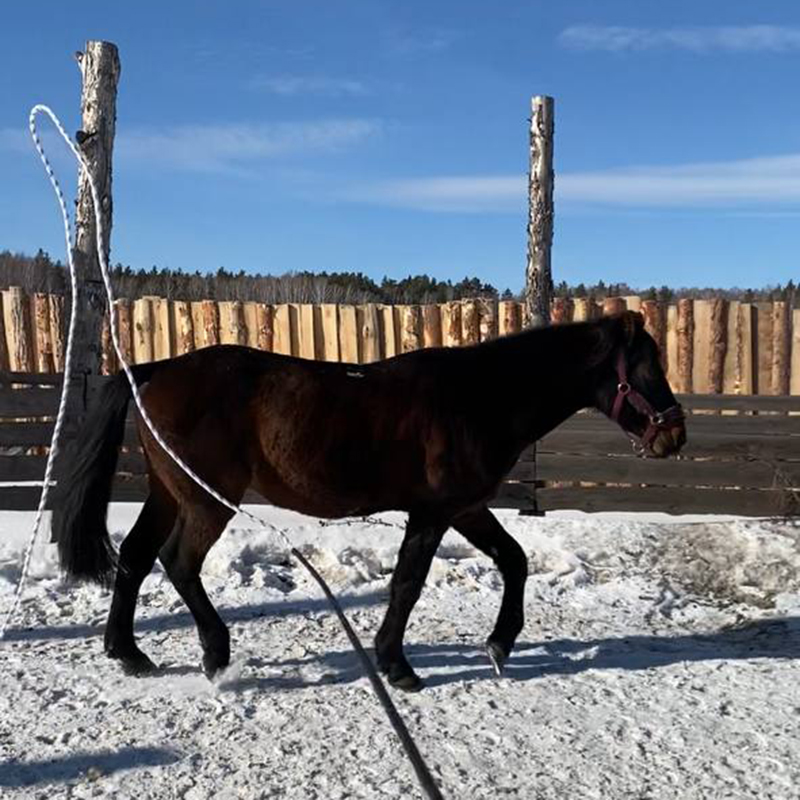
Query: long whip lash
x: 424, y: 776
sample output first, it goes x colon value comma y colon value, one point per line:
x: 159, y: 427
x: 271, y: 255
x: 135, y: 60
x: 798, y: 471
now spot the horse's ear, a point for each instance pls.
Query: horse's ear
x: 632, y: 323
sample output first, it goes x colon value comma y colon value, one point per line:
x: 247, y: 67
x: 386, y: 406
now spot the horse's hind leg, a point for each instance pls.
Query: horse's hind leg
x: 182, y: 557
x: 413, y: 562
x: 482, y: 530
x: 136, y: 558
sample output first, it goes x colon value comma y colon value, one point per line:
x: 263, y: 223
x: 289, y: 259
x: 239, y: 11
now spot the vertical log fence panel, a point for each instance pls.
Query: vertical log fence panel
x: 709, y: 346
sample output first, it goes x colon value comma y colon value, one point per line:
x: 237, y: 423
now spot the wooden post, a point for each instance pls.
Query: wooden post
x: 100, y: 70
x: 411, y: 328
x: 122, y: 310
x: 794, y: 386
x: 330, y: 331
x: 487, y: 313
x: 470, y: 322
x: 509, y: 320
x: 718, y: 334
x: 3, y: 345
x: 538, y: 273
x: 41, y: 325
x: 16, y: 313
x: 182, y: 325
x: 431, y: 325
x: 781, y: 347
x: 368, y: 331
x: 451, y: 324
x: 613, y: 305
x: 685, y: 330
x: 562, y: 310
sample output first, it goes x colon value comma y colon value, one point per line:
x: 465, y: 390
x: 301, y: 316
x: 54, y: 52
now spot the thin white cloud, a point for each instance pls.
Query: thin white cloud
x: 233, y: 147
x: 290, y: 85
x: 766, y: 182
x: 725, y: 38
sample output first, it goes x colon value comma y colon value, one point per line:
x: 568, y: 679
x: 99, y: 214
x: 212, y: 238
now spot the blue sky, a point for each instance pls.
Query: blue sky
x: 391, y: 137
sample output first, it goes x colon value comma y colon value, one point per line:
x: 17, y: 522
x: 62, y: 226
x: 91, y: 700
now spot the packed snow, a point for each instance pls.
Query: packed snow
x: 659, y: 659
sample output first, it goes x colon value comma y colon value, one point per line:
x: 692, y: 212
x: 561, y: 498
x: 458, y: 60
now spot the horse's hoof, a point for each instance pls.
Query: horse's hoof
x: 497, y: 656
x: 406, y: 682
x: 136, y: 665
x: 214, y: 666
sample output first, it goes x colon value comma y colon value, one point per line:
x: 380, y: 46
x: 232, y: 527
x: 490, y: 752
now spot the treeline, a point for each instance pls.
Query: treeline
x: 40, y: 273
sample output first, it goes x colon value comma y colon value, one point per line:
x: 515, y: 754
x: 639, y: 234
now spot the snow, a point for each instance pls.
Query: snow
x: 658, y: 660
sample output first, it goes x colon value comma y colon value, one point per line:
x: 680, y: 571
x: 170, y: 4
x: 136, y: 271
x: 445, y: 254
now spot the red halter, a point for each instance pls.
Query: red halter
x: 657, y: 420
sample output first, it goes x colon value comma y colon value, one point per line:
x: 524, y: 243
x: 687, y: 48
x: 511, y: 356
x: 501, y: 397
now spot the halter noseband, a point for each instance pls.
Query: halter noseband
x: 657, y: 420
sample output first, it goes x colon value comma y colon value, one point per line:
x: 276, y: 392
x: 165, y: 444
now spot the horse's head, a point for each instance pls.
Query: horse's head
x: 633, y: 390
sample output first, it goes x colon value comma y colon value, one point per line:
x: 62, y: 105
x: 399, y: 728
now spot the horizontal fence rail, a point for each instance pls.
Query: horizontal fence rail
x: 742, y: 457
x: 708, y: 346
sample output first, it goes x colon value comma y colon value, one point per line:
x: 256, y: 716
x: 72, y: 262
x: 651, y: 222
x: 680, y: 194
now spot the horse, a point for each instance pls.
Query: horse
x: 431, y: 433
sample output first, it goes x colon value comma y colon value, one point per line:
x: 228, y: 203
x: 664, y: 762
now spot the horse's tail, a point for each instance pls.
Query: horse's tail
x: 84, y: 484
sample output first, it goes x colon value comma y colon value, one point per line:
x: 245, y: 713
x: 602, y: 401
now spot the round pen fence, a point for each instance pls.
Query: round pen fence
x: 742, y: 457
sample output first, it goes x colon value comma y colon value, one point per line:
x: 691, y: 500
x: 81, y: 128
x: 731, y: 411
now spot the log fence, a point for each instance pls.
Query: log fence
x: 708, y: 346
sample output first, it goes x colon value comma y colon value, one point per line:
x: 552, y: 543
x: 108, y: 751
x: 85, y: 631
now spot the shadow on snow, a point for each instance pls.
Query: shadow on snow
x: 19, y: 774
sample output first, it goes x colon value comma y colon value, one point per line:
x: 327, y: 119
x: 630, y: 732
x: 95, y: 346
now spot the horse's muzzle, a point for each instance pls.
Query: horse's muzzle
x: 667, y: 442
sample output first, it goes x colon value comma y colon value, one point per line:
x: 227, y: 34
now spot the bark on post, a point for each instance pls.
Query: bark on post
x: 718, y: 347
x: 685, y: 333
x: 100, y: 69
x: 538, y: 275
x: 781, y: 344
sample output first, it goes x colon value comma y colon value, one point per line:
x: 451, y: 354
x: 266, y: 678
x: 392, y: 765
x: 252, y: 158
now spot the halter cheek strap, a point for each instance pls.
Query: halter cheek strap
x: 657, y: 420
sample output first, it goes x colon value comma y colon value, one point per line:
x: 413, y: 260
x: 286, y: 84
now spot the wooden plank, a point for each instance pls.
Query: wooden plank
x: 42, y: 340
x: 739, y: 402
x: 389, y: 331
x: 210, y: 323
x: 306, y: 335
x: 732, y: 365
x: 31, y: 378
x: 583, y: 309
x: 470, y: 322
x: 57, y: 330
x: 124, y: 319
x: 672, y: 347
x: 231, y: 323
x: 659, y: 472
x: 282, y: 341
x: 3, y: 341
x: 613, y: 305
x: 699, y: 445
x: 701, y: 346
x: 196, y: 307
x: 35, y: 402
x: 748, y: 344
x: 487, y: 318
x: 451, y: 325
x: 685, y: 335
x: 329, y: 323
x: 411, y: 328
x: 633, y: 302
x: 348, y: 334
x: 781, y: 346
x: 250, y: 321
x: 162, y: 332
x: 509, y: 317
x: 655, y: 323
x: 563, y: 311
x: 431, y: 325
x: 764, y: 347
x: 142, y: 331
x: 16, y: 314
x: 729, y: 425
x: 369, y: 333
x: 794, y: 382
x: 108, y: 355
x: 667, y: 500
x: 182, y: 328
x: 265, y: 321
x: 27, y: 434
x: 718, y: 343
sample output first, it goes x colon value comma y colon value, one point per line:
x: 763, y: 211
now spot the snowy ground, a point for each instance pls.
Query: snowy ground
x: 659, y: 660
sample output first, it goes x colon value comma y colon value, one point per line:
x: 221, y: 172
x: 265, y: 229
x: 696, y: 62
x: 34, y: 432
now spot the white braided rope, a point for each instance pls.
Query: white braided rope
x: 99, y: 231
x: 62, y: 404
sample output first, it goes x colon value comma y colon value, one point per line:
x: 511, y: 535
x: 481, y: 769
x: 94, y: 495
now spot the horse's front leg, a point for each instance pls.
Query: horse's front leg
x: 482, y: 530
x: 413, y: 562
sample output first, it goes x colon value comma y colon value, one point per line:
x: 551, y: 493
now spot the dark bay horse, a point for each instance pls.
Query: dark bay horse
x: 431, y: 433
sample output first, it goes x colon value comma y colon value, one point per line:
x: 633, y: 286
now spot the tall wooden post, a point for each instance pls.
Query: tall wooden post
x: 538, y: 276
x: 100, y: 69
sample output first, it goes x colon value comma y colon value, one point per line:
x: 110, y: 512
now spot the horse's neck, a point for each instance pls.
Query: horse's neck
x: 553, y: 373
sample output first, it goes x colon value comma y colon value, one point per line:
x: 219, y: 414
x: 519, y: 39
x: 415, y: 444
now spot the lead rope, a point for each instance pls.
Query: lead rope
x: 424, y: 776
